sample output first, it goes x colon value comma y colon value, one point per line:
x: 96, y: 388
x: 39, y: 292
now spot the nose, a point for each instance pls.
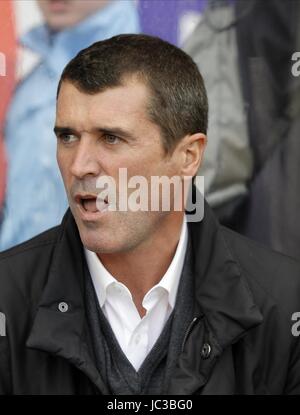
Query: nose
x: 85, y: 159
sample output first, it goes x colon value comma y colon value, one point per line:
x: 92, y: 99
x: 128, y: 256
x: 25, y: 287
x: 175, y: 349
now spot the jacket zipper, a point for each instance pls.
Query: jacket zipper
x: 189, y: 330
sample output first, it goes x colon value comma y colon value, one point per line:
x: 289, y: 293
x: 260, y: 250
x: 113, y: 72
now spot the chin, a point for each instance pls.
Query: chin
x: 99, y: 245
x: 99, y: 249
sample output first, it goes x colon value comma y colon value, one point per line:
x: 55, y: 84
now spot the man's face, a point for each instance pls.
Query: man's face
x: 97, y: 135
x: 61, y: 14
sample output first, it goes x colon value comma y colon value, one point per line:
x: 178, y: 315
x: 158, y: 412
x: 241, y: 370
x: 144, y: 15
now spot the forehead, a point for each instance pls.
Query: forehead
x: 126, y: 104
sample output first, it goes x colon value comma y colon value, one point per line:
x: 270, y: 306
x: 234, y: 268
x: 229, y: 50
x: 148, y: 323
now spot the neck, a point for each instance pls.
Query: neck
x: 143, y: 267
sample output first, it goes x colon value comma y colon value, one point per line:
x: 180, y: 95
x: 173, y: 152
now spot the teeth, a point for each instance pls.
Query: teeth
x: 86, y: 199
x: 94, y: 204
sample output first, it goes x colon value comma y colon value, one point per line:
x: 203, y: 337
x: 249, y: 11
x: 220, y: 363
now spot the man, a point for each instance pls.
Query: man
x: 142, y: 301
x: 35, y: 197
x: 253, y: 151
x: 228, y: 163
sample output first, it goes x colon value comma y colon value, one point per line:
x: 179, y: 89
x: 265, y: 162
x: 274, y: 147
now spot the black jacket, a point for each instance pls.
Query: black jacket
x: 239, y: 342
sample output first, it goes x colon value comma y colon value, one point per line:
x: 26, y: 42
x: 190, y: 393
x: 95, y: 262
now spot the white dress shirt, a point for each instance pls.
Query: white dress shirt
x: 135, y: 335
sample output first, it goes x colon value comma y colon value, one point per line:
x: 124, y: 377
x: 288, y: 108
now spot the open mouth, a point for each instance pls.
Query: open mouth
x: 92, y: 204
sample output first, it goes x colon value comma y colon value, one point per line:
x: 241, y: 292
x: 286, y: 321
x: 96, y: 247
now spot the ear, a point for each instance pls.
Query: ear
x: 192, y: 150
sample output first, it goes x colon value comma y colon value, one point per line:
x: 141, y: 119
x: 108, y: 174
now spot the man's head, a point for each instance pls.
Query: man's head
x: 61, y: 14
x: 133, y: 102
x: 177, y: 100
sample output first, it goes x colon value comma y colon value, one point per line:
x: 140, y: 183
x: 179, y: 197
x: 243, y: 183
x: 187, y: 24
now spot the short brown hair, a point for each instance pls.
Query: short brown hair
x: 178, y: 103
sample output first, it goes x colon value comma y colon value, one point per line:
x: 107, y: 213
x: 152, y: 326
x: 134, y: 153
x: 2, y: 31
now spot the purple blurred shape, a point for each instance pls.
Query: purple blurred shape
x: 161, y: 17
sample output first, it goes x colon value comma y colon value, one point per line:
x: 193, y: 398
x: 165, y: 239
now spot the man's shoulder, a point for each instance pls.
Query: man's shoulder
x: 32, y: 247
x: 268, y: 273
x: 25, y: 265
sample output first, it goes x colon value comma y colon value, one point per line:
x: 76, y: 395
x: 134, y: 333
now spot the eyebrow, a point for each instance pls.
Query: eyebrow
x: 103, y: 130
x: 62, y: 130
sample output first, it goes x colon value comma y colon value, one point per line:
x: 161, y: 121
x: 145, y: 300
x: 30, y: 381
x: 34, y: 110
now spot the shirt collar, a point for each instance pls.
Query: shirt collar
x: 102, y: 279
x: 170, y: 280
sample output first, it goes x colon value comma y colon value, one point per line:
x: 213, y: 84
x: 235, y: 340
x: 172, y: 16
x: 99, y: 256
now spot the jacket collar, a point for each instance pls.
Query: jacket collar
x: 222, y: 292
x: 60, y: 333
x: 224, y: 307
x: 222, y: 299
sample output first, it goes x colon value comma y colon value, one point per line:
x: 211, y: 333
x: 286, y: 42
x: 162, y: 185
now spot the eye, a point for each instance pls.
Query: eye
x: 67, y: 138
x: 111, y: 139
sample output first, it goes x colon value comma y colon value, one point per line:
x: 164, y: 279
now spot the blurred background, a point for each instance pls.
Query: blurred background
x: 248, y: 52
